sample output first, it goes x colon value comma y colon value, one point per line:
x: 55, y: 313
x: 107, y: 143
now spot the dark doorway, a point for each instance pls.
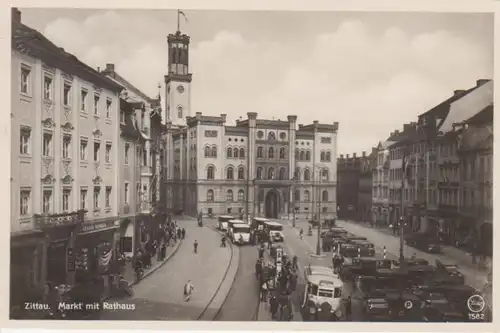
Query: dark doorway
x: 272, y: 205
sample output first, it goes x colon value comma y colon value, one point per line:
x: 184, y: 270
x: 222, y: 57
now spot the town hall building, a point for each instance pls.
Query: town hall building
x: 257, y: 167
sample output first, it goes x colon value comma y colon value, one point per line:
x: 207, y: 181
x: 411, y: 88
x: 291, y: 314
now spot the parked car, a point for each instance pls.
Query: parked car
x: 424, y: 242
x: 451, y: 270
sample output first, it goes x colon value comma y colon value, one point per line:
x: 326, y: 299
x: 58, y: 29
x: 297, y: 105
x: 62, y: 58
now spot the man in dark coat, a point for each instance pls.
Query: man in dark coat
x: 273, y: 305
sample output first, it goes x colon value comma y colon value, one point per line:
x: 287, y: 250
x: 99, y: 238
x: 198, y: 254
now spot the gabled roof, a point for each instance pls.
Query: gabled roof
x: 127, y: 85
x: 34, y: 44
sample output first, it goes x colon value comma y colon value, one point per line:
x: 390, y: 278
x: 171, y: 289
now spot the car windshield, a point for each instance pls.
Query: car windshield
x: 325, y: 293
x: 241, y: 229
x: 275, y: 227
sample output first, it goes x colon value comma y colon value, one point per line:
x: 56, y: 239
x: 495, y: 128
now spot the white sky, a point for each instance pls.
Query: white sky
x: 371, y: 72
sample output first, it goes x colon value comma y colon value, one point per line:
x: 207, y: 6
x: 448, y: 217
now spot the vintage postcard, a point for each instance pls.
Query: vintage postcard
x: 251, y: 166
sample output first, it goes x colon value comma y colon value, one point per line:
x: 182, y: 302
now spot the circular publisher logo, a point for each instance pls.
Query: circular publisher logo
x: 408, y: 305
x: 476, y: 303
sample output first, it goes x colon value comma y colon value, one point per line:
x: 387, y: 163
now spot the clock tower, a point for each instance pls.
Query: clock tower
x: 178, y: 80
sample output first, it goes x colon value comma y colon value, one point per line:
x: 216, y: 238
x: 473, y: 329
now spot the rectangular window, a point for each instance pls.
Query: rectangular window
x: 66, y: 200
x: 25, y: 79
x: 83, y: 149
x: 25, y: 202
x: 66, y: 148
x: 127, y: 193
x: 47, y: 201
x: 145, y: 157
x: 122, y: 116
x: 97, y: 195
x: 25, y: 141
x: 97, y: 149
x: 47, y: 144
x: 47, y: 88
x: 83, y: 198
x: 108, y: 153
x: 108, y: 196
x: 67, y: 94
x: 96, y: 104
x: 83, y: 99
x: 109, y: 103
x: 127, y: 148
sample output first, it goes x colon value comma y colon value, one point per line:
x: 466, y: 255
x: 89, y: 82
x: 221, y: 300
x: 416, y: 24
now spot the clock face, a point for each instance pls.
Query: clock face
x: 180, y: 89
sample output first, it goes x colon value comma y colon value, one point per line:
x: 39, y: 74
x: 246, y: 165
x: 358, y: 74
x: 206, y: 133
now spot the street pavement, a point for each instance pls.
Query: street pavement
x: 242, y: 299
x: 160, y: 295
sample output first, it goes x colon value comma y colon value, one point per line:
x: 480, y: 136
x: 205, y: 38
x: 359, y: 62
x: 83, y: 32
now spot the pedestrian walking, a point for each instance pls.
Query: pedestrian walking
x: 348, y: 309
x: 263, y: 292
x: 188, y: 291
x: 183, y: 233
x: 195, y: 246
x: 273, y: 306
x: 163, y: 251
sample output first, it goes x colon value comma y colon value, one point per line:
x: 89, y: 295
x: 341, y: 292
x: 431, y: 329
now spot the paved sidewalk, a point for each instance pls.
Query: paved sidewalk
x: 160, y: 296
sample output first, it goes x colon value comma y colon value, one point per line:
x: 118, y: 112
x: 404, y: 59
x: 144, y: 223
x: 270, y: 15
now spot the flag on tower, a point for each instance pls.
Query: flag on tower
x: 183, y: 14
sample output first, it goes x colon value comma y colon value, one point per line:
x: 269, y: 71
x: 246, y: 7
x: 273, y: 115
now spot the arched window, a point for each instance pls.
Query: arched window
x: 260, y: 152
x: 324, y: 195
x: 242, y: 152
x: 210, y: 172
x: 270, y: 153
x: 282, y: 174
x: 297, y: 154
x: 308, y: 155
x: 271, y: 136
x: 307, y: 196
x: 282, y: 153
x: 270, y: 173
x: 179, y: 112
x: 328, y: 156
x: 241, y: 173
x: 307, y: 174
x: 229, y: 152
x: 210, y: 195
x: 259, y: 173
x: 323, y: 157
x: 324, y: 174
x: 207, y: 151
x: 296, y: 175
x: 297, y: 195
x: 230, y: 173
x: 241, y: 196
x: 229, y: 196
x: 214, y: 151
x: 236, y: 152
x: 302, y: 155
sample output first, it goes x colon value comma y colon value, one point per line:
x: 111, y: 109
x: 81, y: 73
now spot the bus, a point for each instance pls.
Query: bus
x: 275, y: 231
x: 240, y: 233
x: 259, y: 222
x: 223, y: 219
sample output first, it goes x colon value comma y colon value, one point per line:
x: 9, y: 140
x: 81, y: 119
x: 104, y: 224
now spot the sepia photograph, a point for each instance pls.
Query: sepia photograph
x: 222, y: 165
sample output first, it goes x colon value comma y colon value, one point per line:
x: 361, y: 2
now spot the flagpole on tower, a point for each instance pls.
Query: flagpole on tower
x: 178, y: 20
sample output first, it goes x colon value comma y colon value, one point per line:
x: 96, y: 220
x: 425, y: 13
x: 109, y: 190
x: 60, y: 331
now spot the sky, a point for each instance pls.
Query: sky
x: 370, y: 71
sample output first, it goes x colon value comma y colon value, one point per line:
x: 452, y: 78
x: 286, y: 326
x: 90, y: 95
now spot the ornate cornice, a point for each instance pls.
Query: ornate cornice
x: 97, y: 89
x: 67, y: 179
x: 48, y: 180
x: 48, y: 68
x: 97, y: 133
x: 67, y: 77
x: 97, y: 180
x: 48, y: 123
x: 67, y: 127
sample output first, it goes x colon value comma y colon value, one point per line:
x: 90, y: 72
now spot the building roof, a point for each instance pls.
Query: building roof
x: 468, y: 105
x: 34, y: 44
x: 110, y: 71
x: 476, y: 138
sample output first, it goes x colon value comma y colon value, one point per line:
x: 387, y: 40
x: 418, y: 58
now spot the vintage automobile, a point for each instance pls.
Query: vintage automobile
x: 367, y: 249
x: 240, y: 233
x: 377, y: 309
x: 363, y: 266
x: 223, y: 220
x: 321, y: 286
x: 275, y: 230
x: 450, y: 270
x: 457, y: 295
x: 436, y: 308
x: 424, y: 242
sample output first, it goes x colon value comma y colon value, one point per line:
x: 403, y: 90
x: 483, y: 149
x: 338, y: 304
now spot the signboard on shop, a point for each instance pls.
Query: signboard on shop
x: 97, y: 226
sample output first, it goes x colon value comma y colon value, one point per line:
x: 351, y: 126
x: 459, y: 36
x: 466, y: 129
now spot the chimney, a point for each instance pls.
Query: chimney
x: 406, y: 127
x: 315, y: 122
x: 396, y: 132
x: 223, y: 116
x: 99, y: 69
x: 363, y: 153
x: 458, y: 92
x: 481, y: 82
x: 341, y: 156
x: 16, y: 15
x: 354, y: 155
x: 110, y: 67
x: 346, y: 155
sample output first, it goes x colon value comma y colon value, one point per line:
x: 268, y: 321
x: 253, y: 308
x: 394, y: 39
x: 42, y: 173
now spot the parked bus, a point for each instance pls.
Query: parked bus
x: 240, y: 233
x: 258, y: 223
x: 223, y: 219
x: 275, y: 231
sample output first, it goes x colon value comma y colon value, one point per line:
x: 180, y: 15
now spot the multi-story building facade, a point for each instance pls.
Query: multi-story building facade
x: 254, y: 167
x: 353, y: 183
x: 138, y: 175
x: 380, y: 192
x: 64, y: 184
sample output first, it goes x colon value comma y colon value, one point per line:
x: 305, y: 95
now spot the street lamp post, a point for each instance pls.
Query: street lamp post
x: 318, y: 247
x: 294, y: 200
